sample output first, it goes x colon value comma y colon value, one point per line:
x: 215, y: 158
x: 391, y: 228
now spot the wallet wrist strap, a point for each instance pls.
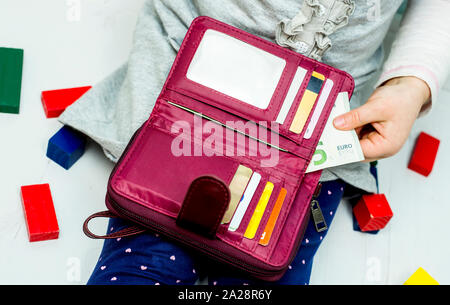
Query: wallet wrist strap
x: 128, y: 231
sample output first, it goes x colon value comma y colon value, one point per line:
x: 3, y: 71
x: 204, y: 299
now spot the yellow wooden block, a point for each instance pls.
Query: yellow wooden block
x: 421, y: 277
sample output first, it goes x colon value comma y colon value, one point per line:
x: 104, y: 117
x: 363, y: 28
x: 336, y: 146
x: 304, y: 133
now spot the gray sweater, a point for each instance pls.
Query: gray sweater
x: 113, y: 109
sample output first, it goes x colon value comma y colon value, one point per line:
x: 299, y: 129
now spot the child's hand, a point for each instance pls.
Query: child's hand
x: 385, y: 121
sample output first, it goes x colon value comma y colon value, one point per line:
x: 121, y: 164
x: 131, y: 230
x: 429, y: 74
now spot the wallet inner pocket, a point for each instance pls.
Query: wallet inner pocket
x: 252, y: 239
x: 237, y: 69
x: 164, y: 176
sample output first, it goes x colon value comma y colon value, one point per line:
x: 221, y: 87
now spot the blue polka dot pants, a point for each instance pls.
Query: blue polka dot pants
x: 149, y: 259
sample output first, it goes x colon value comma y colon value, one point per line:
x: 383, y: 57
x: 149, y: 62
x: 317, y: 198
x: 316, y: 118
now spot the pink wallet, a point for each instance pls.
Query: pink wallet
x: 174, y: 178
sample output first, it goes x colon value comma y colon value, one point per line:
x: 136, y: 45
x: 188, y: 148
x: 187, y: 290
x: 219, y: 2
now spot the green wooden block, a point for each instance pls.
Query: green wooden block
x: 11, y: 63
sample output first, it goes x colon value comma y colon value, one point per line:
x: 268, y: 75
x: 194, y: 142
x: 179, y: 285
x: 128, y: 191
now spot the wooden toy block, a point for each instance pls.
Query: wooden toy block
x: 424, y: 155
x: 358, y: 229
x: 372, y: 212
x: 421, y: 277
x: 11, y: 63
x: 66, y: 147
x: 39, y: 211
x: 374, y: 172
x: 56, y: 101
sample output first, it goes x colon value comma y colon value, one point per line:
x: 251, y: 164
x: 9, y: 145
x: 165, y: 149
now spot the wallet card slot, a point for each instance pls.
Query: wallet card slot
x: 237, y: 236
x: 299, y: 208
x: 322, y: 119
x: 252, y: 246
x: 266, y: 251
x: 252, y: 243
x: 234, y: 146
x: 305, y: 103
x: 295, y: 104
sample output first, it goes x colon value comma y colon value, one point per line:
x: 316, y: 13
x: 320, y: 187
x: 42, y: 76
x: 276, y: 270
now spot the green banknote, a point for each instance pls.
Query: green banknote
x: 336, y: 147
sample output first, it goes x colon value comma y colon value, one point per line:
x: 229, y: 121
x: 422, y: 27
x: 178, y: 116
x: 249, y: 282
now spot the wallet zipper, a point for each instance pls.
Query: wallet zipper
x: 316, y: 211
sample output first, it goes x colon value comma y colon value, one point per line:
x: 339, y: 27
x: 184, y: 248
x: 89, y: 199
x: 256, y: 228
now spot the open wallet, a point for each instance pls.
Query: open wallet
x: 240, y: 197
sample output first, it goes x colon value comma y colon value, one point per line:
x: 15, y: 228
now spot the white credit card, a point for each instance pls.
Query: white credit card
x: 319, y: 107
x: 245, y: 201
x: 292, y: 93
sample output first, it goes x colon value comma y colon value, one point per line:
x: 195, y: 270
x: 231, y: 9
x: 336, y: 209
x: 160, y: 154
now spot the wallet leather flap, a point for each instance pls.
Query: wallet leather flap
x: 204, y: 206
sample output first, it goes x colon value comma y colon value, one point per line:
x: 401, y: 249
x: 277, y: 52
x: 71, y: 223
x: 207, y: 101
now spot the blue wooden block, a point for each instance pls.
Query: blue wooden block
x: 66, y: 147
x: 374, y: 172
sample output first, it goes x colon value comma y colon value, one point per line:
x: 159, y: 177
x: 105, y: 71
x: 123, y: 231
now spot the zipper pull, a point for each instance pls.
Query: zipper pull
x: 319, y: 220
x: 316, y: 211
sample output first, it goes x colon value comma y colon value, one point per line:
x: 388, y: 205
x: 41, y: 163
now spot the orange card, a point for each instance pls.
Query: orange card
x: 265, y: 237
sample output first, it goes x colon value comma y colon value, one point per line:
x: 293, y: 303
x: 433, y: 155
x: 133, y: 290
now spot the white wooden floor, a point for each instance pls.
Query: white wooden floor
x: 62, y: 52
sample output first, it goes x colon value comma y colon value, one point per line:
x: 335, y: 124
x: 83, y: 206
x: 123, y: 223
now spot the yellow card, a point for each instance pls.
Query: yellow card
x: 237, y: 187
x: 307, y: 102
x: 259, y: 211
x: 421, y: 277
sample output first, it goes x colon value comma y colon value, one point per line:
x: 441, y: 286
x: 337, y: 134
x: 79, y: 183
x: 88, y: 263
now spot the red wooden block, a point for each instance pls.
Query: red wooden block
x: 424, y: 155
x: 372, y: 212
x: 56, y: 101
x: 39, y: 212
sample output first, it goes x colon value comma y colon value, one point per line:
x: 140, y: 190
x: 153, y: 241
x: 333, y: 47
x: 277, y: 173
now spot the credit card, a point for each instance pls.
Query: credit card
x: 245, y: 201
x: 318, y: 110
x: 237, y: 187
x: 307, y: 102
x: 259, y: 211
x: 265, y: 237
x: 292, y: 93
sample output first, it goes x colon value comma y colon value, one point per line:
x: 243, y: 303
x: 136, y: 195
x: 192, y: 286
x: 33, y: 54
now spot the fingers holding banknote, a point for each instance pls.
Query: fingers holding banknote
x: 384, y: 122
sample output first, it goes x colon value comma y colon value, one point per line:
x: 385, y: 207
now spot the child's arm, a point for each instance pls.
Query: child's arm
x: 418, y: 64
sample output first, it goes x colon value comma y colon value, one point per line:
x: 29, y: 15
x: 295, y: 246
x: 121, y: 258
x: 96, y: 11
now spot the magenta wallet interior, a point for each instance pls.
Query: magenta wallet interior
x: 176, y: 179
